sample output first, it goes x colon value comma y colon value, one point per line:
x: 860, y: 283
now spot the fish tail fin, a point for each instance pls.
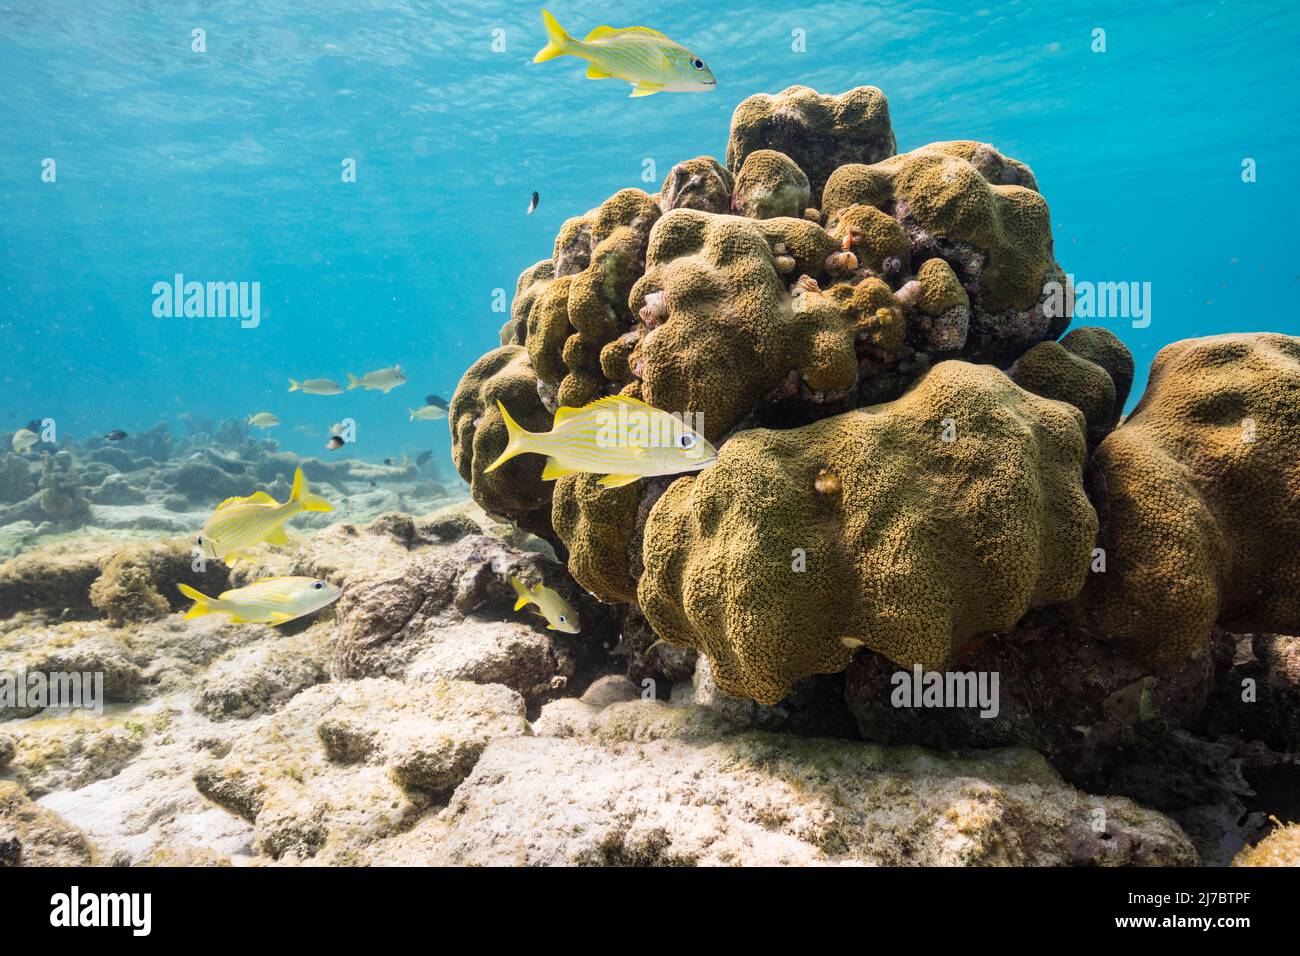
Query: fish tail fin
x: 303, y: 496
x: 524, y: 596
x: 202, y: 603
x: 557, y: 40
x: 293, y: 385
x: 517, y: 442
x: 353, y: 381
x: 412, y: 411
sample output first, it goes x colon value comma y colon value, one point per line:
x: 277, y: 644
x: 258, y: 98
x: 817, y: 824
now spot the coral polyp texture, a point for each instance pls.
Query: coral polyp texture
x: 771, y: 185
x: 1202, y: 493
x: 957, y: 508
x: 731, y: 332
x: 871, y: 339
x: 478, y: 435
x: 818, y: 132
x: 731, y: 296
x: 1089, y: 368
x: 995, y: 233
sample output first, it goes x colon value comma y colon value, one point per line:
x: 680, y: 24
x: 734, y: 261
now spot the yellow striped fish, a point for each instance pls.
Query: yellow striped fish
x: 645, y: 58
x: 559, y: 614
x: 269, y: 601
x: 619, y: 437
x: 240, y: 523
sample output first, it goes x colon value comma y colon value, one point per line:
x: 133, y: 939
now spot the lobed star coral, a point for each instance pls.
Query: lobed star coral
x: 795, y: 335
x: 1202, y: 494
x: 927, y: 543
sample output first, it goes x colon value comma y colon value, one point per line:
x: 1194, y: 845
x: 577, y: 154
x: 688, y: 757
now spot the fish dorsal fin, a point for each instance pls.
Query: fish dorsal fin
x: 256, y: 498
x: 605, y: 32
x: 614, y: 401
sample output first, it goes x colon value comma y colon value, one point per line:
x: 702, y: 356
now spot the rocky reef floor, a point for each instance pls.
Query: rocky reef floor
x: 423, y: 721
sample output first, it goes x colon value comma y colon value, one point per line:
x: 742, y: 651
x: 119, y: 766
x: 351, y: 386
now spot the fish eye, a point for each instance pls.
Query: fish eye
x: 685, y: 441
x: 318, y: 585
x: 199, y: 541
x: 563, y: 619
x: 697, y: 63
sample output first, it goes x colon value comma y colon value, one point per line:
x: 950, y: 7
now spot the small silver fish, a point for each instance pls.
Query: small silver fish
x: 263, y: 420
x: 533, y: 204
x: 316, y: 386
x: 383, y: 380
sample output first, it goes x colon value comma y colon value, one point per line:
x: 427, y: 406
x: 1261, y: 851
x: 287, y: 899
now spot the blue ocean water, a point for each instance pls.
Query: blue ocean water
x: 227, y: 165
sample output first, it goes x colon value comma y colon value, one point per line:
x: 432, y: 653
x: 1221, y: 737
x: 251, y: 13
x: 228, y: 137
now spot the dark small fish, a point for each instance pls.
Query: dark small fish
x: 34, y: 425
x: 335, y: 443
x: 532, y: 205
x: 436, y: 401
x: 388, y: 461
x: 424, y: 458
x: 115, y: 435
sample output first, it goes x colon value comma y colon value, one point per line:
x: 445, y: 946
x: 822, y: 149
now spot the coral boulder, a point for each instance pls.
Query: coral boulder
x: 907, y: 527
x: 1201, y: 486
x: 818, y: 132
